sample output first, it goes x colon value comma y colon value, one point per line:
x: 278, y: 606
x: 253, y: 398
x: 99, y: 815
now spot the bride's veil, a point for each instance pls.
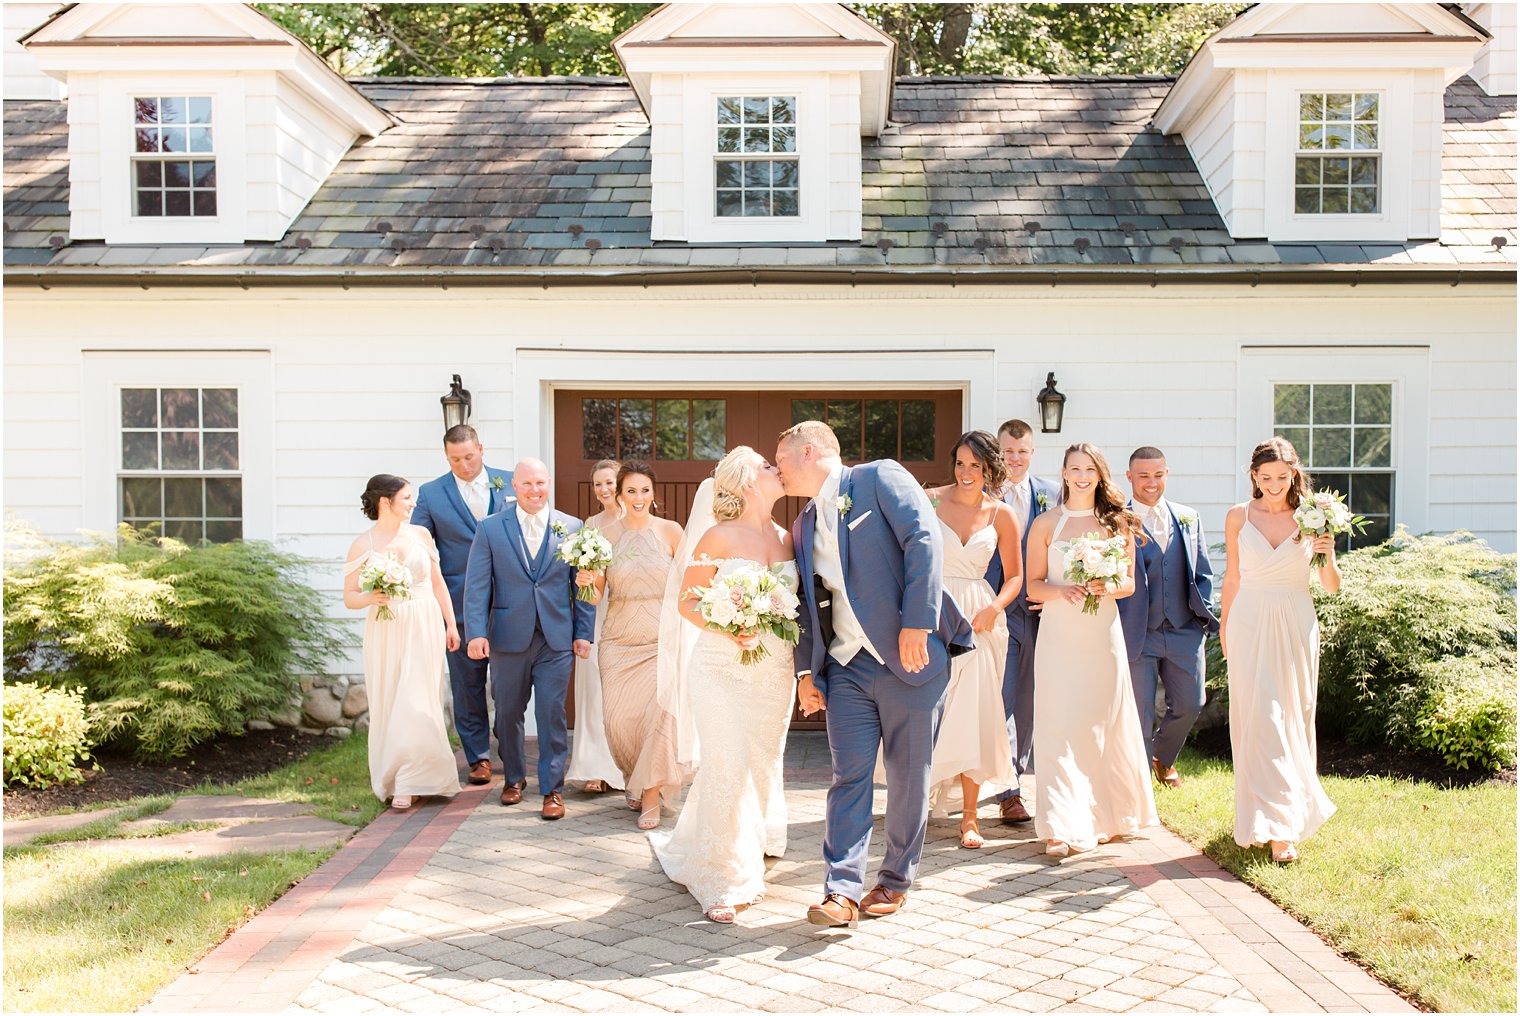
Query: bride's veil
x: 678, y: 637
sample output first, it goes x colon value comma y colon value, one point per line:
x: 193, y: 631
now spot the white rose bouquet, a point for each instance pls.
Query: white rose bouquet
x: 1326, y: 514
x: 748, y: 601
x: 1090, y: 557
x: 589, y: 550
x: 383, y: 573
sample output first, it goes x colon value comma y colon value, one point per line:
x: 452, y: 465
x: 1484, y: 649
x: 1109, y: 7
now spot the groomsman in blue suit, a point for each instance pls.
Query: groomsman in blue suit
x: 520, y: 609
x: 451, y: 508
x: 1168, y: 618
x: 1029, y: 496
x: 878, y: 631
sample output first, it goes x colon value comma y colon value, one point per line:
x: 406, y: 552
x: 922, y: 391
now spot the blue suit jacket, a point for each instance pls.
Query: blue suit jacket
x: 893, y: 554
x: 442, y: 511
x: 1018, y: 610
x: 505, y: 594
x: 1134, y: 610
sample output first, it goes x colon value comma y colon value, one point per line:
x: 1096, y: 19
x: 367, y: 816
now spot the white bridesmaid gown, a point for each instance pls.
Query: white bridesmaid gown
x: 404, y: 675
x: 590, y: 758
x: 1273, y: 639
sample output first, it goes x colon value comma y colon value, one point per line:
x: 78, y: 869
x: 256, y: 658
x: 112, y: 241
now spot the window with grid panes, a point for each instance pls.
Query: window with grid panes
x: 755, y: 170
x: 1344, y: 435
x: 1339, y: 159
x: 180, y: 463
x: 173, y: 161
x: 871, y: 429
x: 686, y: 430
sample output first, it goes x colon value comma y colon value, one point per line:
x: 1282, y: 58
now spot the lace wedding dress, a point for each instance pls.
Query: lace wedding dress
x: 735, y: 812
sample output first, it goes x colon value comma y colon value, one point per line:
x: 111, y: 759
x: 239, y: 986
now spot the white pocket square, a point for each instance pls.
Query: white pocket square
x: 858, y: 521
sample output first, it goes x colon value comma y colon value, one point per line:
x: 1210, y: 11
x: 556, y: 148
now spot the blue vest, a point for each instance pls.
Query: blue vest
x: 1171, y: 605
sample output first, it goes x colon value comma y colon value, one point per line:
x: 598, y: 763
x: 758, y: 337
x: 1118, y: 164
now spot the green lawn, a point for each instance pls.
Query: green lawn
x: 99, y: 929
x: 1413, y: 880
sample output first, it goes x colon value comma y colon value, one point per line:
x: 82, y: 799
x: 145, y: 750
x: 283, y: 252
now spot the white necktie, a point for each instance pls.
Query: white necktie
x: 533, y: 534
x: 477, y: 501
x: 1158, y: 527
x: 1021, y: 503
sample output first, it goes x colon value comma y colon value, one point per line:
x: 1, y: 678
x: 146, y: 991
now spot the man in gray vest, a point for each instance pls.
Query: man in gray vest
x: 1168, y: 618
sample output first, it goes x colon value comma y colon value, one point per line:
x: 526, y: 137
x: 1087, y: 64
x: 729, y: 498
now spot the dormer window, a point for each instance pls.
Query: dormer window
x: 755, y: 172
x: 173, y: 161
x: 1336, y: 168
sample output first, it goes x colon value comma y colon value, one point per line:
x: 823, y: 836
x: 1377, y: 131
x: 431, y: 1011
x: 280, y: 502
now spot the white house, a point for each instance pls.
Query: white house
x: 236, y: 284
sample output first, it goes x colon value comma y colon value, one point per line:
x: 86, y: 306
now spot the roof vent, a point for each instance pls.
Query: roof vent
x: 495, y: 244
x: 1176, y: 243
x: 1128, y: 229
x: 477, y: 230
x: 981, y: 243
x: 1081, y: 243
x: 575, y: 229
x: 1031, y: 227
x: 1499, y: 242
x: 55, y: 241
x: 383, y: 227
x: 940, y: 229
x: 885, y: 244
x: 397, y: 244
x: 303, y: 242
x: 593, y: 244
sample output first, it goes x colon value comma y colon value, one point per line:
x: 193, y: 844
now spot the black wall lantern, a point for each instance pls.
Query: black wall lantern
x: 456, y: 405
x: 1052, y: 405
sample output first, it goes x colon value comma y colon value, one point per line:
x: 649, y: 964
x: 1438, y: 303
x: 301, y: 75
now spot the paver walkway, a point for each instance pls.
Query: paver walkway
x: 476, y: 907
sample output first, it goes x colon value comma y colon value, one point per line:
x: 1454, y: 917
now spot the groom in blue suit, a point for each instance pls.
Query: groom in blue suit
x: 520, y: 609
x: 451, y: 508
x: 878, y: 631
x: 1168, y: 618
x: 1029, y: 496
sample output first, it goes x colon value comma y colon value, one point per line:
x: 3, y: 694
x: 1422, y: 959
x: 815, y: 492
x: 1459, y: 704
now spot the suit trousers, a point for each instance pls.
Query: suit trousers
x: 869, y: 708
x: 1173, y: 659
x: 1018, y: 692
x: 544, y: 674
x: 472, y: 718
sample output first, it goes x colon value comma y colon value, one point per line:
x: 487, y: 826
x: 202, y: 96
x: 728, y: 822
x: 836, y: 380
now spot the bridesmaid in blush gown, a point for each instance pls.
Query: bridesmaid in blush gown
x: 640, y: 733
x: 972, y: 752
x: 1270, y: 635
x: 590, y: 758
x: 1094, y: 781
x: 409, y: 753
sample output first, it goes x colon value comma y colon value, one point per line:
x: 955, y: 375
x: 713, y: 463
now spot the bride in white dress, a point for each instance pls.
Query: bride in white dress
x: 731, y: 719
x: 972, y: 754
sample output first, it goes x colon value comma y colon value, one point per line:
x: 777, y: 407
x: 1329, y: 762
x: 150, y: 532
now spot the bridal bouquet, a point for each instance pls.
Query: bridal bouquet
x: 748, y: 601
x: 1090, y: 557
x: 383, y: 573
x: 1326, y: 514
x: 588, y: 549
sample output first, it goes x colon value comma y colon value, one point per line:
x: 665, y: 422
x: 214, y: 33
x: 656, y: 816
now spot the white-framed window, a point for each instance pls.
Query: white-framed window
x: 1338, y: 163
x: 755, y: 169
x: 1343, y: 432
x: 180, y: 467
x: 173, y: 156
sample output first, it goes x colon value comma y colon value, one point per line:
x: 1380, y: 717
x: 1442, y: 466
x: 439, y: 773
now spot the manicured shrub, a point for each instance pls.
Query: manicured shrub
x: 1418, y: 649
x: 47, y: 735
x: 172, y: 645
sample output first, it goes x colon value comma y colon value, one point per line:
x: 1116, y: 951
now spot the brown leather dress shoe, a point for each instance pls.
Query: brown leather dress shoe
x: 882, y: 902
x: 480, y: 772
x: 512, y: 792
x: 834, y: 912
x: 554, y: 807
x: 1166, y: 774
x: 1014, y: 812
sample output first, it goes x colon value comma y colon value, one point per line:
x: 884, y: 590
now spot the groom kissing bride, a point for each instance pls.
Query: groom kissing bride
x: 878, y: 631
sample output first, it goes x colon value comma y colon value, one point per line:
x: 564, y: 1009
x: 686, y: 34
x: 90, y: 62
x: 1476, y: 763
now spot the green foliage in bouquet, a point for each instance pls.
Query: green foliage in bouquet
x: 171, y: 644
x: 1418, y: 649
x: 46, y: 733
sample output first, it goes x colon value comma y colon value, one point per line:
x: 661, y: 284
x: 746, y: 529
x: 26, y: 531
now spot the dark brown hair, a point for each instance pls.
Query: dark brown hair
x: 460, y: 433
x: 628, y: 469
x: 1109, y: 504
x: 1146, y: 452
x: 380, y: 486
x: 1279, y: 449
x: 1016, y: 429
x: 985, y: 447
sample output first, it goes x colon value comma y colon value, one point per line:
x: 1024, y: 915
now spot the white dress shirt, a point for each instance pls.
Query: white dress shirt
x: 849, y: 637
x: 476, y: 494
x: 533, y: 527
x: 1158, y: 522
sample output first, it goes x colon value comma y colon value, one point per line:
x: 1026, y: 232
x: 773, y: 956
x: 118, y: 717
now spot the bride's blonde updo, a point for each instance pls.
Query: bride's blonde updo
x: 734, y: 472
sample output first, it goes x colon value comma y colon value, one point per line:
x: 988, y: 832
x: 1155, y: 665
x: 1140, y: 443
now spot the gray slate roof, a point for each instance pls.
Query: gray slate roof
x: 978, y: 171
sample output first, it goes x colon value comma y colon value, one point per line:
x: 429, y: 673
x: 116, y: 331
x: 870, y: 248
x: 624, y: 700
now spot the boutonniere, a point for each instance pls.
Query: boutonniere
x: 558, y: 528
x: 1187, y: 521
x: 497, y: 483
x: 842, y: 504
x: 1041, y: 500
